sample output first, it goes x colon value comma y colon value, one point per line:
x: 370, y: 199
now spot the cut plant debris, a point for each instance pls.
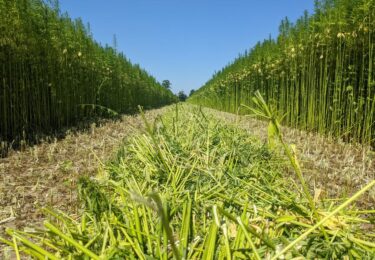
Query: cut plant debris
x: 193, y: 187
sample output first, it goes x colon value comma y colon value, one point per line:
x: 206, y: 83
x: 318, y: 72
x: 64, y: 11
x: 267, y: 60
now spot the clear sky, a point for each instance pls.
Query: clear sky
x: 184, y: 41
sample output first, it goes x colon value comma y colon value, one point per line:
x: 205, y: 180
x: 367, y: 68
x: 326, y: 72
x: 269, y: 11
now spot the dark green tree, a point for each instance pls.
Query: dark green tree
x: 166, y: 84
x: 182, y: 96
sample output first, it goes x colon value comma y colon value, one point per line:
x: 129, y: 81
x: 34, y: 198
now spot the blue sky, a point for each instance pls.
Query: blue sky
x: 184, y: 41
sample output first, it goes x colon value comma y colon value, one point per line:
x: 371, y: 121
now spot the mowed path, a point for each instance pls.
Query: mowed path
x: 46, y: 174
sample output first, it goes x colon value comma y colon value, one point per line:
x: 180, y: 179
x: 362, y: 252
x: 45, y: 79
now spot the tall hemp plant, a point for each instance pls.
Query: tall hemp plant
x: 318, y: 72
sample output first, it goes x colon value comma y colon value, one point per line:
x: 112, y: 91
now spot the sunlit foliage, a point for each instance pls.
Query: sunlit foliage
x: 318, y: 72
x: 53, y: 74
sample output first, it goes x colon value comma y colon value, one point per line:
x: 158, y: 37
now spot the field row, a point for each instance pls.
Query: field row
x: 317, y: 74
x: 192, y: 186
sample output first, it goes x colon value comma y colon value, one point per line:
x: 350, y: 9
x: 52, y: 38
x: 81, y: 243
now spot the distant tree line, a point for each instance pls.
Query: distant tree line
x: 181, y: 96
